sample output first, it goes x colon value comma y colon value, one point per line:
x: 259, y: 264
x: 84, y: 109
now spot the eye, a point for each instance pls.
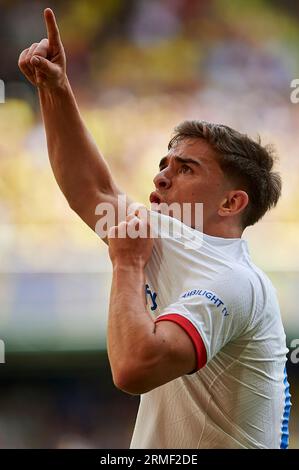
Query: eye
x: 185, y: 168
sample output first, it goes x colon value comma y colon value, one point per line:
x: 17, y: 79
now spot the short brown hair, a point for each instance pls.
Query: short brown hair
x: 243, y: 160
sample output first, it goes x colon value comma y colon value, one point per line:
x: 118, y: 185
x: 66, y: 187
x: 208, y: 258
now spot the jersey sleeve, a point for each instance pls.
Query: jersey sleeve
x: 214, y: 314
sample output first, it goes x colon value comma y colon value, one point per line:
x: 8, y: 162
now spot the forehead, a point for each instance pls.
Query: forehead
x: 196, y: 148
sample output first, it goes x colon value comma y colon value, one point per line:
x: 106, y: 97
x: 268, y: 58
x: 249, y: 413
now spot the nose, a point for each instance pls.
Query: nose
x: 162, y: 181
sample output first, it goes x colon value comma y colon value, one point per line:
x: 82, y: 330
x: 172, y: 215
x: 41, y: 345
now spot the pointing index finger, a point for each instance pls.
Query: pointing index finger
x: 52, y: 28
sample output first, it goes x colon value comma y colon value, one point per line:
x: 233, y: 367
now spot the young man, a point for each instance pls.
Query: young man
x: 206, y: 348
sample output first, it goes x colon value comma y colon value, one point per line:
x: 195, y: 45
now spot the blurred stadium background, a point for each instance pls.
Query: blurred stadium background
x: 138, y: 68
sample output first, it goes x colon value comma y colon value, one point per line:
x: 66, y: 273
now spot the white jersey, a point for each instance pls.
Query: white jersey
x: 240, y: 397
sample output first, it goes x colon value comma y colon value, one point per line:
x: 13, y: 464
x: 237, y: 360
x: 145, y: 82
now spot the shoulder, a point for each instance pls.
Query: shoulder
x: 234, y: 280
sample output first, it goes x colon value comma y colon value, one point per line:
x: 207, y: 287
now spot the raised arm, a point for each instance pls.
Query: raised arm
x: 79, y: 168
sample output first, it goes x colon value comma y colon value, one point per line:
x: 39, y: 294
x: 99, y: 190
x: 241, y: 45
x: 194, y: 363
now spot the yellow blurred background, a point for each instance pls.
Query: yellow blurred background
x: 138, y: 68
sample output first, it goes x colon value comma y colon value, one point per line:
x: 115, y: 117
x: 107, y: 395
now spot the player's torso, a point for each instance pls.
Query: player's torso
x: 237, y: 400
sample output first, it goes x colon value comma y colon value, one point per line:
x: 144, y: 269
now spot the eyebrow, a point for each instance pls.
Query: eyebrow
x: 180, y: 160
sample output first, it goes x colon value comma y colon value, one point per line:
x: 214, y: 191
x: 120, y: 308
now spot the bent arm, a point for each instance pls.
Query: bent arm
x: 143, y: 354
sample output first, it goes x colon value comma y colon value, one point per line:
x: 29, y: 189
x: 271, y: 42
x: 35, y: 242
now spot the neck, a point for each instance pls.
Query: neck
x: 222, y: 230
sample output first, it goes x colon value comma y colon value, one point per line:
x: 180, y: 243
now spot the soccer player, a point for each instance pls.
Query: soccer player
x: 194, y: 326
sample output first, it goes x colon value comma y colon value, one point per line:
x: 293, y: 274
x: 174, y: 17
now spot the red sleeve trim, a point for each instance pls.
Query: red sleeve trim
x: 201, y: 353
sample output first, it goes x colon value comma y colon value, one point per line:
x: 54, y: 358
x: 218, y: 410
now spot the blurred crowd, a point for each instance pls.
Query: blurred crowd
x: 60, y: 407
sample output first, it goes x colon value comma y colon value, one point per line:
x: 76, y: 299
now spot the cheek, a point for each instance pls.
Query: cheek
x: 200, y: 193
x: 205, y: 195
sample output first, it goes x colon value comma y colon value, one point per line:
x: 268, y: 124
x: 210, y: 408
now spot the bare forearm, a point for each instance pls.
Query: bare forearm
x: 79, y: 168
x: 142, y: 354
x: 130, y: 326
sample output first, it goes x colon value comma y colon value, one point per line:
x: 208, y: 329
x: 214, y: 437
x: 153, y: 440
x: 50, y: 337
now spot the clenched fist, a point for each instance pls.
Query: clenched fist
x: 130, y: 242
x: 44, y: 63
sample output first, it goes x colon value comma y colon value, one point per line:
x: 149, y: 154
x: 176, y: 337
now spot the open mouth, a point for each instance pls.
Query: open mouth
x: 154, y: 198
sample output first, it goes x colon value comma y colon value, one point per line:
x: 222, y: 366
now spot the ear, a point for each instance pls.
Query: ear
x: 234, y: 203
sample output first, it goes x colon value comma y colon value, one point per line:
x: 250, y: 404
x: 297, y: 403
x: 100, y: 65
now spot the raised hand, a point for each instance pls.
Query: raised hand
x: 44, y: 63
